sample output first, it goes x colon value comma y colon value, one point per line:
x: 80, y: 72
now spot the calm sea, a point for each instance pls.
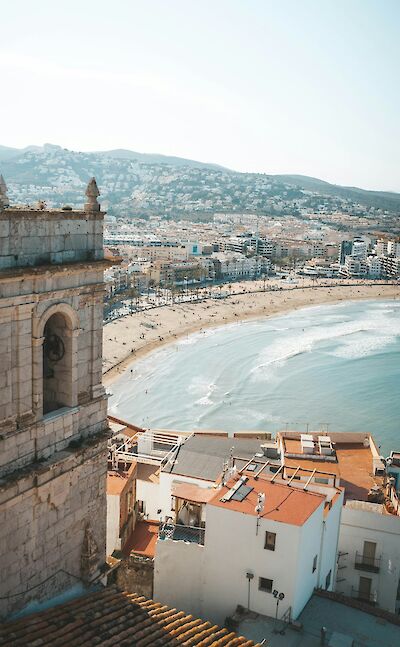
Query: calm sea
x: 333, y: 367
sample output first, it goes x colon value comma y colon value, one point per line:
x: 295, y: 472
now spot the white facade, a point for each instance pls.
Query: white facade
x: 113, y: 512
x: 374, y: 266
x: 393, y: 248
x: 156, y: 497
x: 211, y: 580
x: 238, y: 266
x: 364, y: 522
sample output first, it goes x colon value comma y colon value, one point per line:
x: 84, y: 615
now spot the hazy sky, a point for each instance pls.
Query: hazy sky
x: 276, y: 86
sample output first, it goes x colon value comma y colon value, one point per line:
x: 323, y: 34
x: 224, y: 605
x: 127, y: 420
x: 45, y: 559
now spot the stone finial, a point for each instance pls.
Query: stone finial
x: 92, y: 192
x: 3, y: 194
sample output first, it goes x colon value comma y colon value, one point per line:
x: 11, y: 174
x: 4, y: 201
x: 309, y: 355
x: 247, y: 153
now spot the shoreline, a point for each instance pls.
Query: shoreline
x: 167, y: 324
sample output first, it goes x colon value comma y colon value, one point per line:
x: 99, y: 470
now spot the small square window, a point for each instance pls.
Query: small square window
x: 314, y: 564
x: 264, y: 584
x: 270, y: 538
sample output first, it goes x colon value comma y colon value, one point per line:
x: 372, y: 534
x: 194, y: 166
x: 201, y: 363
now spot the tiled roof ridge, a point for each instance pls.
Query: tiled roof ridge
x: 109, y: 617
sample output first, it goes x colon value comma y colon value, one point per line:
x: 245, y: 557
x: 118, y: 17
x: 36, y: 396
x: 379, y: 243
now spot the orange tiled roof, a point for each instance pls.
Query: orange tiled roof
x: 282, y: 502
x: 110, y: 618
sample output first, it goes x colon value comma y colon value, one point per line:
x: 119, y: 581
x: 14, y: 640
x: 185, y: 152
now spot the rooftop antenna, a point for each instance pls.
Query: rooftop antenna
x: 259, y: 509
x: 231, y: 461
x: 224, y: 473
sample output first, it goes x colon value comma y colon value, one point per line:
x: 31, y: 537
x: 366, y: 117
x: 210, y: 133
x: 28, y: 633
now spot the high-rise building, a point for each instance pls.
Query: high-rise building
x: 346, y: 249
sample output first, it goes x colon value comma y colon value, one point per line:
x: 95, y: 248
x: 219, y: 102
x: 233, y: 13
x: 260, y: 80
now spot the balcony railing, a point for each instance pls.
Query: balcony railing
x: 177, y: 532
x: 364, y: 563
x: 368, y: 598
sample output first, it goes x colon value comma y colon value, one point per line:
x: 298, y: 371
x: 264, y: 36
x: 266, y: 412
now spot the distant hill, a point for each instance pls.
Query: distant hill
x: 373, y: 198
x: 119, y: 153
x: 134, y: 183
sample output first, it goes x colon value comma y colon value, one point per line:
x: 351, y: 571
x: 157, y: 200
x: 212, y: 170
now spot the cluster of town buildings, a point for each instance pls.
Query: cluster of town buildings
x: 179, y: 261
x: 235, y: 517
x: 203, y: 522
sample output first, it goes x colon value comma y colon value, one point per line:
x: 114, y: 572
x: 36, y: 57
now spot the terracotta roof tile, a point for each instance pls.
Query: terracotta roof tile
x: 109, y: 618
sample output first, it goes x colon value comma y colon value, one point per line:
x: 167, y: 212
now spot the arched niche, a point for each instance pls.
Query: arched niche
x: 55, y: 358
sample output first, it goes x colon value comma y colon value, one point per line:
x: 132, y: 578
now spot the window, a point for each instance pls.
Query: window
x: 318, y: 479
x: 264, y: 584
x: 270, y: 538
x: 328, y: 580
x: 314, y: 564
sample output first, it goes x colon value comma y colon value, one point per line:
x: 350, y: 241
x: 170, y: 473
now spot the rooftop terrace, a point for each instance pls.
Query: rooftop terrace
x: 355, y: 461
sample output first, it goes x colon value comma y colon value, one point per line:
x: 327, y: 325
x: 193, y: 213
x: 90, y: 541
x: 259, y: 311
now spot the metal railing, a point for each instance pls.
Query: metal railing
x: 365, y: 563
x: 191, y: 534
x: 362, y: 596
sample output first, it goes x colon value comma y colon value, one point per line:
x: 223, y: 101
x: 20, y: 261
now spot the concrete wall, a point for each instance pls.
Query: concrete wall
x: 330, y: 544
x: 113, y: 512
x: 179, y: 575
x: 359, y: 525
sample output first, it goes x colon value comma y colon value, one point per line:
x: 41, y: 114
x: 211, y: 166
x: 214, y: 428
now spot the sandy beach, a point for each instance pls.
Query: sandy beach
x: 132, y: 336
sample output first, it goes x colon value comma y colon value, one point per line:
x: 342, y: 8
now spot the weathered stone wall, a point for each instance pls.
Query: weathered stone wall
x: 21, y: 339
x: 53, y: 466
x: 32, y: 237
x: 135, y: 574
x: 43, y: 516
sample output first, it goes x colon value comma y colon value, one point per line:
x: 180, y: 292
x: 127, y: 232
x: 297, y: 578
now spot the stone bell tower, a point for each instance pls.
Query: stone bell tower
x: 53, y: 425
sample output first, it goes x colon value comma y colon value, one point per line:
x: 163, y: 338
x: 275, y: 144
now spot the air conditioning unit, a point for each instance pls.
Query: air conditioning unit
x: 270, y: 449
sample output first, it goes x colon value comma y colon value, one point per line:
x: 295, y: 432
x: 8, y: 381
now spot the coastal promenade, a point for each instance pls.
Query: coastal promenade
x: 131, y: 337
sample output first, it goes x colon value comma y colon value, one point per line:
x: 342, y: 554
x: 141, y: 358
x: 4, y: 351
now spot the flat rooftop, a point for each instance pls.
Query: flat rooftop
x: 143, y: 539
x: 118, y: 479
x: 203, y: 456
x: 282, y: 502
x: 352, y: 461
x: 344, y: 625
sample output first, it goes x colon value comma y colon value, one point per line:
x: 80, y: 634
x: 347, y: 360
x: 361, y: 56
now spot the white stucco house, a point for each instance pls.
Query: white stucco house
x: 262, y: 537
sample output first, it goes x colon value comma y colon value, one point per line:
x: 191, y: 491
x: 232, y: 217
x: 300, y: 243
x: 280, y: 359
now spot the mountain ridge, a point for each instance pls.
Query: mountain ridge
x: 134, y: 182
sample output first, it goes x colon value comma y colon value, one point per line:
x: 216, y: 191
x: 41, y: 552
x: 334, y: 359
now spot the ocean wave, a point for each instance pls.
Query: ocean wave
x: 363, y: 347
x: 305, y: 340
